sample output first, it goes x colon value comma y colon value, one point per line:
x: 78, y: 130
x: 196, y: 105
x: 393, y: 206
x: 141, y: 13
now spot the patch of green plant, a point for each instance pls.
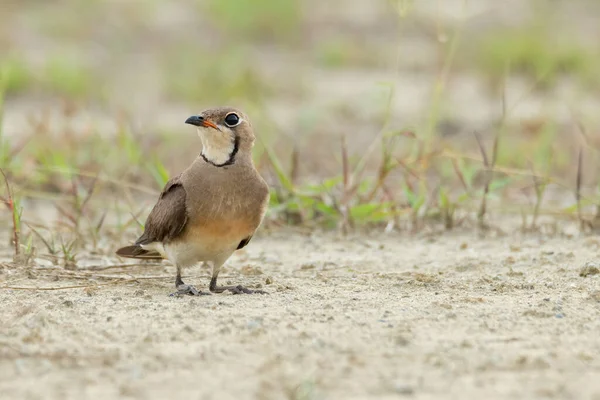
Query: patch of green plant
x: 275, y: 20
x: 15, y: 76
x: 68, y: 78
x: 537, y: 148
x: 537, y: 53
x: 340, y: 52
x: 59, y: 75
x: 159, y: 172
x: 214, y: 78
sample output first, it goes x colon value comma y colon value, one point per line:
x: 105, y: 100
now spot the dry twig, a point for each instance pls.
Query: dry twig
x: 10, y: 203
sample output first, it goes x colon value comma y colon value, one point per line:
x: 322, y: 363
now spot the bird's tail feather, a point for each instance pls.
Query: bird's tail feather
x: 138, y: 252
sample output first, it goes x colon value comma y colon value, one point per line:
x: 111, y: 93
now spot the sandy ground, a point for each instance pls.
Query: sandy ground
x: 346, y: 318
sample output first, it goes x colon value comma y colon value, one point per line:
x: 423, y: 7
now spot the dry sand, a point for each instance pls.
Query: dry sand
x: 346, y: 318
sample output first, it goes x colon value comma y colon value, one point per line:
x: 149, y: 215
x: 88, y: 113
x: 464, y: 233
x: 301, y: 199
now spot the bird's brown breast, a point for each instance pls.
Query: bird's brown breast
x: 224, y: 204
x: 222, y: 228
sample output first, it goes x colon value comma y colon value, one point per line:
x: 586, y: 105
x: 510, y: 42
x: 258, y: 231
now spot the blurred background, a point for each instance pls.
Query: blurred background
x: 386, y: 108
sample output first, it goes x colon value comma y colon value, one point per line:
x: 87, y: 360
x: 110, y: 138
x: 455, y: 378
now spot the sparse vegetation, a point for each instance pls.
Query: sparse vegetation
x: 14, y: 76
x: 58, y: 77
x: 538, y: 53
x: 215, y: 77
x: 420, y: 182
x: 262, y: 19
x: 338, y: 52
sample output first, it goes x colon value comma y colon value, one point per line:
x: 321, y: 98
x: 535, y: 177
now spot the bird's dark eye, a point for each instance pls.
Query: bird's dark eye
x: 232, y: 119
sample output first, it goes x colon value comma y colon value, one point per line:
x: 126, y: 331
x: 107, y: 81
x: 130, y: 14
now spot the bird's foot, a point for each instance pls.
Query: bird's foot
x: 185, y: 289
x: 239, y: 289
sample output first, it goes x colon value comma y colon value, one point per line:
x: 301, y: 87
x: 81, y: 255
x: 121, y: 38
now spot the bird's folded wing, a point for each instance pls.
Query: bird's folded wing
x: 169, y: 216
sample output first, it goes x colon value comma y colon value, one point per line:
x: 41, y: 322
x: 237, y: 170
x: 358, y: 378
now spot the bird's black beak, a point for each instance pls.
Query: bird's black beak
x: 195, y: 120
x: 198, y: 120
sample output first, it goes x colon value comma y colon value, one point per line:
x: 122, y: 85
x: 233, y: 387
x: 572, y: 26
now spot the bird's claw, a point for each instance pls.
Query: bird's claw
x: 188, y: 290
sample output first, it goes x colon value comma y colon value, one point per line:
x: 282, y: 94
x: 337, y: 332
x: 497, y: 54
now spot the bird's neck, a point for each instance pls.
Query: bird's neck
x: 220, y: 152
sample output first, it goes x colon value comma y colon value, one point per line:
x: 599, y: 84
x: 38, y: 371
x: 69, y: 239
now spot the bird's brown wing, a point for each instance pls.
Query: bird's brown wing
x: 139, y: 252
x: 169, y: 216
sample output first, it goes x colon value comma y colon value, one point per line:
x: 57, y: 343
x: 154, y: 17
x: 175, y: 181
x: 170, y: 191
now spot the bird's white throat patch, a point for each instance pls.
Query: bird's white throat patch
x: 217, y: 146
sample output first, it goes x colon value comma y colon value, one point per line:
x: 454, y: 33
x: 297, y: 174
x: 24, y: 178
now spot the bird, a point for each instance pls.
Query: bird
x: 212, y: 208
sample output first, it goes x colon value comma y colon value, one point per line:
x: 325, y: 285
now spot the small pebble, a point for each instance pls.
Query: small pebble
x: 253, y: 324
x: 590, y: 268
x: 404, y: 390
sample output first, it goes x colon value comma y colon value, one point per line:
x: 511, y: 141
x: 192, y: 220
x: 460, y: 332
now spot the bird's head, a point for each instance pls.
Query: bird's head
x: 224, y: 133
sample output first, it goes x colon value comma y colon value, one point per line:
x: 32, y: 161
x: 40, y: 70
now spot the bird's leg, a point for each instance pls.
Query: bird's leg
x: 239, y: 289
x: 183, y: 288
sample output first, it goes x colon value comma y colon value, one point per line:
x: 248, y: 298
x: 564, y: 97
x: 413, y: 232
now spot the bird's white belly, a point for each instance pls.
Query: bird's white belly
x: 186, y: 253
